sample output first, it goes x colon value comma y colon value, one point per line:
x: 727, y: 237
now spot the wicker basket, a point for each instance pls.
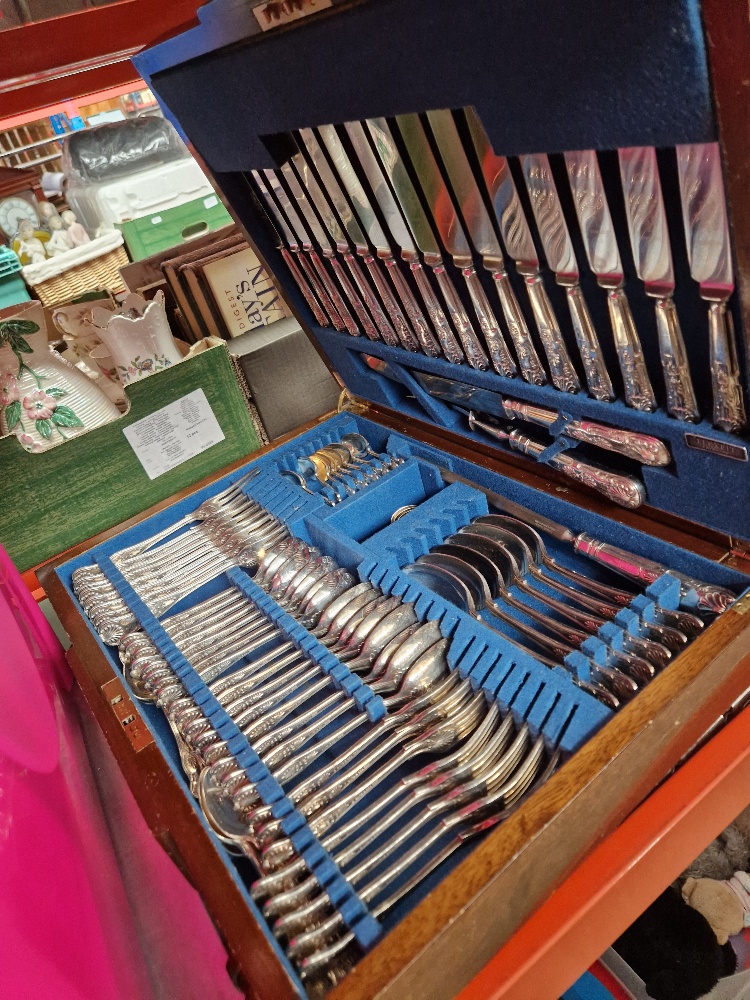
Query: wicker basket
x: 101, y: 272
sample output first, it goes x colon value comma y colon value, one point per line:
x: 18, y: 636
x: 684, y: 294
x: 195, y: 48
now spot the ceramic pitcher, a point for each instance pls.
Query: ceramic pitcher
x: 43, y: 399
x: 142, y: 344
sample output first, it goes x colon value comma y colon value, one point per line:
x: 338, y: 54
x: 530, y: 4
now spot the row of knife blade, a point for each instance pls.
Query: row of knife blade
x: 320, y: 206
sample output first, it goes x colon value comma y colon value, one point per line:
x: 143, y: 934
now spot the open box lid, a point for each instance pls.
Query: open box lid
x: 542, y: 79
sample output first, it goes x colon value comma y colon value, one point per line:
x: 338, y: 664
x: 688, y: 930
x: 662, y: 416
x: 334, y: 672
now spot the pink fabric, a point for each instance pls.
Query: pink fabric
x: 68, y: 926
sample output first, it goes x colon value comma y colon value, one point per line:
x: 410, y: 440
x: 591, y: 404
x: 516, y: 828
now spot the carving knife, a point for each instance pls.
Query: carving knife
x: 603, y: 255
x: 649, y: 239
x: 326, y: 249
x: 311, y: 186
x: 400, y: 233
x: 382, y: 249
x: 704, y: 214
x: 353, y: 230
x: 627, y: 491
x: 424, y: 237
x: 710, y: 597
x: 302, y: 242
x: 304, y: 287
x: 640, y: 447
x: 553, y: 231
x: 454, y: 238
x: 485, y: 241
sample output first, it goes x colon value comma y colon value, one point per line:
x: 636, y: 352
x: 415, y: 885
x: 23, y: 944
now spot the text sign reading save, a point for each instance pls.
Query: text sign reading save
x: 174, y: 434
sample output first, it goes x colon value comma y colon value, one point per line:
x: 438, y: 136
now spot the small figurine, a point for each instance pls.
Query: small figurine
x: 61, y: 240
x: 46, y: 211
x: 27, y: 245
x: 77, y: 233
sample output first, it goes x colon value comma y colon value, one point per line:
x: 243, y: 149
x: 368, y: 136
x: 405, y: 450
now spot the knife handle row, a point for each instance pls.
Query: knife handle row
x: 681, y: 401
x: 499, y: 354
x: 473, y: 350
x: 561, y: 368
x: 445, y: 336
x: 528, y: 359
x: 638, y: 391
x: 597, y: 376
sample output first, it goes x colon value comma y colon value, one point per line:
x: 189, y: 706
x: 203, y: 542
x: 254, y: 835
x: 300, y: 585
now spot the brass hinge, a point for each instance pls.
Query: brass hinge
x: 125, y: 712
x: 351, y: 404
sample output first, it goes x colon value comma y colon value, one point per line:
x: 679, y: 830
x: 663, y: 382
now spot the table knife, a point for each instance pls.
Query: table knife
x: 641, y: 448
x: 627, y: 491
x: 304, y: 287
x: 649, y: 239
x: 553, y: 232
x: 424, y: 237
x: 356, y: 236
x: 377, y: 238
x: 325, y: 246
x: 302, y: 242
x: 704, y: 214
x: 482, y: 234
x: 603, y: 255
x: 311, y: 186
x: 401, y: 234
x: 452, y: 234
x: 710, y: 597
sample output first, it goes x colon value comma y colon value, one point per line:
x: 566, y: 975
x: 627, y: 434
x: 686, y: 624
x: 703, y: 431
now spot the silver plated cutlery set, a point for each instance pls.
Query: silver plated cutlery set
x: 355, y: 199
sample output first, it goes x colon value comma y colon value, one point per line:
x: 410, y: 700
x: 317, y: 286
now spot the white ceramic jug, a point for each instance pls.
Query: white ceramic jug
x: 43, y: 399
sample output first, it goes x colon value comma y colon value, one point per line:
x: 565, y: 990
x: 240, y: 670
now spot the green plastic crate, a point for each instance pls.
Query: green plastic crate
x: 151, y: 234
x: 12, y: 286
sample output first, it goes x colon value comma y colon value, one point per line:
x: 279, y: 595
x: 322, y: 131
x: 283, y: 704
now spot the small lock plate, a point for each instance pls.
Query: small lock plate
x: 125, y: 712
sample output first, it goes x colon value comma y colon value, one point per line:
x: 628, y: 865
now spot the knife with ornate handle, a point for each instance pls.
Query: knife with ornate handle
x: 640, y: 447
x: 354, y: 232
x: 377, y: 238
x: 325, y: 247
x: 649, y: 239
x: 311, y: 186
x: 553, y: 232
x: 484, y: 237
x: 710, y: 596
x: 599, y: 240
x: 424, y: 237
x: 400, y: 233
x: 307, y: 292
x: 452, y: 234
x: 704, y: 214
x: 627, y: 491
x: 302, y: 241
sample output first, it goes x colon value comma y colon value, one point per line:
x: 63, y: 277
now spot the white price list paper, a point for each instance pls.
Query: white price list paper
x: 174, y: 434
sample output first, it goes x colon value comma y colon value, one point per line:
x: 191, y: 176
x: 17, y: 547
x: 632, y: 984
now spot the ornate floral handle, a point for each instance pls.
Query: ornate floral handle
x: 419, y: 324
x: 681, y: 402
x: 564, y: 376
x: 356, y: 302
x: 333, y: 293
x: 528, y: 359
x: 319, y: 287
x: 303, y: 286
x: 448, y: 342
x: 710, y: 598
x: 627, y: 491
x: 597, y: 376
x: 729, y: 405
x: 641, y: 447
x: 397, y: 318
x: 502, y: 362
x: 638, y: 391
x: 461, y: 323
x: 384, y: 328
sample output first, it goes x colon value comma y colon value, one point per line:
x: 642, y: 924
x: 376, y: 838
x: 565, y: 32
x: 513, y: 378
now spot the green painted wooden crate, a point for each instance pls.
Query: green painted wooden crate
x: 172, y: 227
x: 51, y: 501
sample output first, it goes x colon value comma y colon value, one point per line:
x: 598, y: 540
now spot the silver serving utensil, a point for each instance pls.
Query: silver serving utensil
x: 316, y: 274
x: 649, y: 239
x: 484, y: 238
x: 377, y: 238
x: 600, y: 242
x: 424, y: 237
x: 627, y: 491
x: 704, y: 214
x: 640, y: 447
x: 400, y: 233
x: 454, y: 238
x: 553, y: 232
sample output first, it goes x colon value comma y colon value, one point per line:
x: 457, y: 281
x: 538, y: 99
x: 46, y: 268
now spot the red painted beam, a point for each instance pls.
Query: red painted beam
x: 623, y: 875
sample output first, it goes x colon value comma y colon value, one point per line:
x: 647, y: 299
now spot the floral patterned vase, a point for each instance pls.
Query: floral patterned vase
x: 43, y: 399
x: 140, y: 345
